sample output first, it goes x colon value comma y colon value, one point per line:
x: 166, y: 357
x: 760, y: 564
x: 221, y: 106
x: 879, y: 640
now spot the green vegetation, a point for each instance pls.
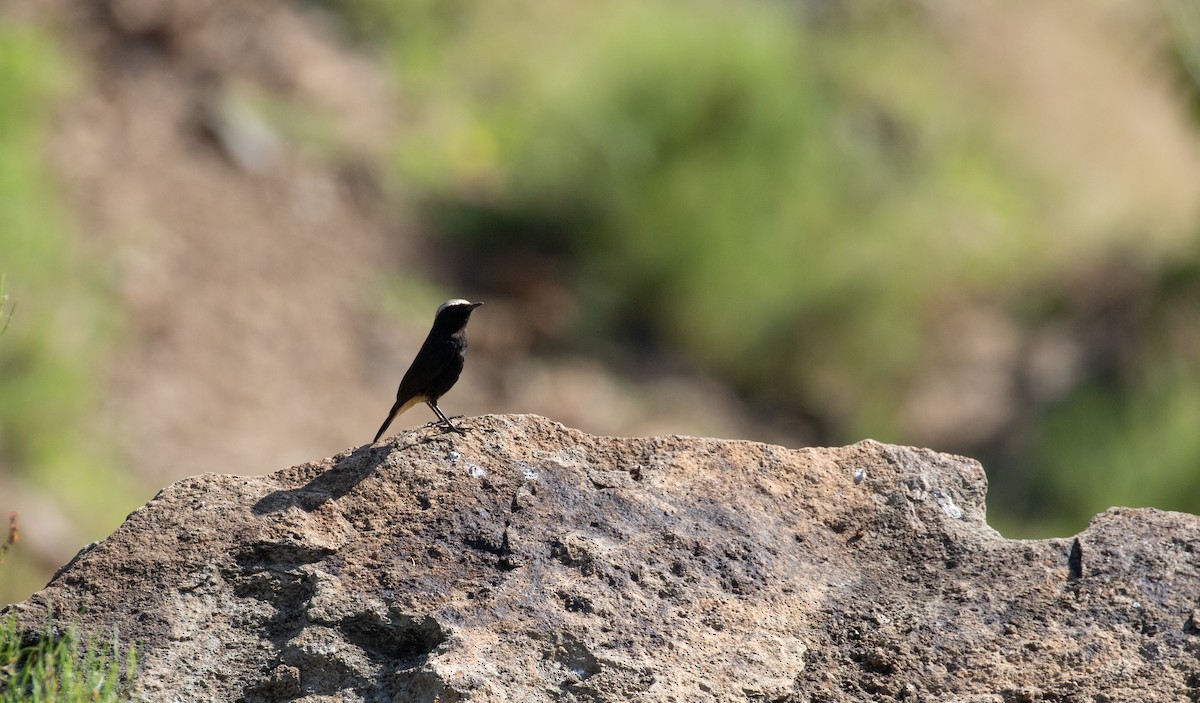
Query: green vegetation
x: 59, y: 668
x: 43, y: 360
x: 757, y: 184
x: 6, y: 311
x: 1130, y: 432
x: 50, y: 354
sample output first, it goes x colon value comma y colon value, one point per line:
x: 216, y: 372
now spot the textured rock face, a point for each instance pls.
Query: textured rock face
x: 529, y: 562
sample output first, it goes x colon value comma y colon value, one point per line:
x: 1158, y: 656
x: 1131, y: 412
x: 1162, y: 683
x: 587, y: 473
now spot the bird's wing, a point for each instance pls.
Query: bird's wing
x: 431, y: 361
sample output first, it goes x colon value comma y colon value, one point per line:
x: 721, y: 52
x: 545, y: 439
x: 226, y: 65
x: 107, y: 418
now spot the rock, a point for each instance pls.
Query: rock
x: 527, y: 561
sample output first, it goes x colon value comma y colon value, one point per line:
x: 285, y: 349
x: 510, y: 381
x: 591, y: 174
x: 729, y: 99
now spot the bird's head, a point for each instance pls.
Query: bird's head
x: 454, y: 312
x: 457, y: 303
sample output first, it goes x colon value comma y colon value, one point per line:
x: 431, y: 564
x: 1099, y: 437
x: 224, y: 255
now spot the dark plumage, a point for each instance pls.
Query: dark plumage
x: 437, y: 365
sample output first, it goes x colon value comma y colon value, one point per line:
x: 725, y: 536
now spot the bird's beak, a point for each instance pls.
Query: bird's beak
x: 475, y: 305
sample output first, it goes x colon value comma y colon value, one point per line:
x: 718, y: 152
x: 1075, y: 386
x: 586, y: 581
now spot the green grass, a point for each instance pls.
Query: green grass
x: 61, y: 668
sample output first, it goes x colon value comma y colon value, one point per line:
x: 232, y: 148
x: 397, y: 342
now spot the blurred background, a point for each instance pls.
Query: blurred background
x: 225, y: 227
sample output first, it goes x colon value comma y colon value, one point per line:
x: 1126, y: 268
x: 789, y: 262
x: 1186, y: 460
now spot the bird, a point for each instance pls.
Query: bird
x: 437, y: 365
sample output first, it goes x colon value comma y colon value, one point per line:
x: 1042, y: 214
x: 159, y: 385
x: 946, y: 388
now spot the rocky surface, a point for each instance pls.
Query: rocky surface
x: 527, y: 561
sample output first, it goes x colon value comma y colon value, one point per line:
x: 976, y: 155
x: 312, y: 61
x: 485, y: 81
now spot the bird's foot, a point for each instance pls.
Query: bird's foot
x: 447, y: 426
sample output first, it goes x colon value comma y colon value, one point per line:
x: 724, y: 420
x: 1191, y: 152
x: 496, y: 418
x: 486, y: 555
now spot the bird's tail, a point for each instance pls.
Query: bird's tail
x: 399, y: 407
x: 391, y: 416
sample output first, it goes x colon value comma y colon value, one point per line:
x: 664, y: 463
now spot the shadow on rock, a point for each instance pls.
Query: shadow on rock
x: 339, y: 480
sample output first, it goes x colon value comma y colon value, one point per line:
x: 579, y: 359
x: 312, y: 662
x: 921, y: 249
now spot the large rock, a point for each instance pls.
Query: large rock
x: 526, y: 561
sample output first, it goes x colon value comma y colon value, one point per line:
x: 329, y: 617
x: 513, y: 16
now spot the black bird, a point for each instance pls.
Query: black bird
x: 437, y: 365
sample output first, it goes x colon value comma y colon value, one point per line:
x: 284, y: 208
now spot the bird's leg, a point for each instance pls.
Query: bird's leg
x: 442, y: 416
